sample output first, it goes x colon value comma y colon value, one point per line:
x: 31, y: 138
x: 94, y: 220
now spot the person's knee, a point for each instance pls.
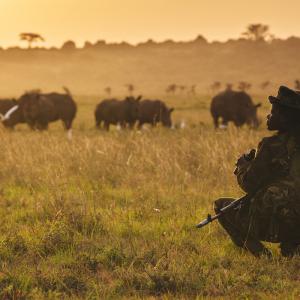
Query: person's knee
x: 222, y: 202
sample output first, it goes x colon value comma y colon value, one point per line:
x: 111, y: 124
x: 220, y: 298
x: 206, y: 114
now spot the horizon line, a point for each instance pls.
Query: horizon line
x: 39, y: 45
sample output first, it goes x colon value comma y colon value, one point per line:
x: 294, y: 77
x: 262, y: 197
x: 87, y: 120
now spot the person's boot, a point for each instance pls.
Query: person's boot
x: 254, y: 246
x: 257, y: 248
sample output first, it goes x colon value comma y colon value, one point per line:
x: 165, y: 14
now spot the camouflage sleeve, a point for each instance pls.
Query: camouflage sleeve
x: 253, y: 174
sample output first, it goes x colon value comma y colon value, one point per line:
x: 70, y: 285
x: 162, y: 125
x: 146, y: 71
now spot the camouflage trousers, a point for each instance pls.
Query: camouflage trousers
x: 262, y: 220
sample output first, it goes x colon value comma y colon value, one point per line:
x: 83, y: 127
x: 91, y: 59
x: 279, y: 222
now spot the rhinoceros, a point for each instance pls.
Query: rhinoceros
x: 117, y: 112
x: 235, y: 106
x: 153, y: 112
x: 38, y: 110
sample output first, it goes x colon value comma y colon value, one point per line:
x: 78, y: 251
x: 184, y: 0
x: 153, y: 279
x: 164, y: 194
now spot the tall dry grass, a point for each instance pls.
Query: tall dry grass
x: 110, y: 215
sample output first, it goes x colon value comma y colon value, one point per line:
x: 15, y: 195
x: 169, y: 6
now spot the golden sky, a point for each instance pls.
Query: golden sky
x: 139, y: 20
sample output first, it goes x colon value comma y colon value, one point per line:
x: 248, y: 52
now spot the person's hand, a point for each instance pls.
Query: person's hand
x: 241, y: 161
x: 244, y: 159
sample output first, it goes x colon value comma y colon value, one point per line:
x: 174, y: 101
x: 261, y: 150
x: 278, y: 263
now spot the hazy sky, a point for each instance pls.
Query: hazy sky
x: 139, y: 20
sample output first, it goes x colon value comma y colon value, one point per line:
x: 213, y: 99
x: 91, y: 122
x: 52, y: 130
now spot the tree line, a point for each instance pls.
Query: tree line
x: 254, y: 32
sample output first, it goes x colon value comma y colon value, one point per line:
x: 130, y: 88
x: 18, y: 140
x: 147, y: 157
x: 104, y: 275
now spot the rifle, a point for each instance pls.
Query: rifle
x: 248, y: 157
x: 223, y: 211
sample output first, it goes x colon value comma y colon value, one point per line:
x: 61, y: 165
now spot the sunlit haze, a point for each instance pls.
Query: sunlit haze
x: 138, y: 20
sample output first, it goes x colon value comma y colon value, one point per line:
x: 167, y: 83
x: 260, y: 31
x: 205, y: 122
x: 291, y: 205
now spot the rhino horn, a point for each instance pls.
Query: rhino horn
x: 9, y: 112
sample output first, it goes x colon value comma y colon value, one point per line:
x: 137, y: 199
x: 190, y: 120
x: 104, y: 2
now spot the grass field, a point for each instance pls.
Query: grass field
x: 112, y: 215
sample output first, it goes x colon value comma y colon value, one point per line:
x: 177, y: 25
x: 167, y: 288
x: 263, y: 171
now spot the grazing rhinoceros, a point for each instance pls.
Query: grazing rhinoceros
x: 38, y: 110
x: 117, y: 112
x: 153, y: 112
x: 234, y: 106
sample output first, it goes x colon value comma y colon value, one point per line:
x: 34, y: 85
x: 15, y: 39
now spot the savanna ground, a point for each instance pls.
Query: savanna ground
x: 112, y: 215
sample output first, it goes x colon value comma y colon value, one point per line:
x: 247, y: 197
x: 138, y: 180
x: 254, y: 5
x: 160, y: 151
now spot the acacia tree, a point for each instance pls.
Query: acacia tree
x: 182, y: 88
x: 192, y: 90
x: 130, y: 88
x: 108, y: 90
x: 229, y: 86
x: 215, y: 86
x: 265, y: 84
x: 244, y: 86
x: 31, y: 38
x: 171, y: 89
x: 257, y: 32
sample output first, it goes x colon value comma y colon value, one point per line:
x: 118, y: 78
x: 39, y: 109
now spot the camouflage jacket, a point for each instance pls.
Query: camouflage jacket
x: 271, y: 164
x: 273, y: 178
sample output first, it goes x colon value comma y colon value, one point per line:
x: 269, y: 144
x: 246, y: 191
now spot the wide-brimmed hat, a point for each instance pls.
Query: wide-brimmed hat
x: 286, y: 97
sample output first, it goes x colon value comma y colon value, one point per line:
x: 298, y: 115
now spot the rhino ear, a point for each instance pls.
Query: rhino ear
x: 171, y: 110
x: 139, y: 98
x: 258, y: 105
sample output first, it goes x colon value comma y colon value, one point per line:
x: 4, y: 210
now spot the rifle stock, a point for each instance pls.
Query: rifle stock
x: 222, y: 211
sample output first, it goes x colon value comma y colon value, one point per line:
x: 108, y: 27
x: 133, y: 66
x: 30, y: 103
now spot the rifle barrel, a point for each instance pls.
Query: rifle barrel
x: 208, y: 220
